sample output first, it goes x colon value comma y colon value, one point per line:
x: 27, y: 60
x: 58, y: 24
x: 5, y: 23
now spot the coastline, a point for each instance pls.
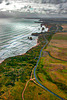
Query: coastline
x: 16, y: 70
x: 1, y: 61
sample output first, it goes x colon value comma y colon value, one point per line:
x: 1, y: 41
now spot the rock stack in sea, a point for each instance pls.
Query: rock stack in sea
x: 30, y: 38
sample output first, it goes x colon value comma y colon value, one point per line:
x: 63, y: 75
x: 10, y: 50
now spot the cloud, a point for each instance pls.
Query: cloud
x: 1, y: 1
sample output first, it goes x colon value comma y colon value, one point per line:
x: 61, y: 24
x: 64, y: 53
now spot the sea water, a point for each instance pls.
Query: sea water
x: 14, y: 35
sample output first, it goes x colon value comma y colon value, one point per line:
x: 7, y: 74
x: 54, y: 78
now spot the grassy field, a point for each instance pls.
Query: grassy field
x: 52, y: 68
x: 60, y: 36
x: 64, y: 27
x: 35, y: 92
x: 16, y: 71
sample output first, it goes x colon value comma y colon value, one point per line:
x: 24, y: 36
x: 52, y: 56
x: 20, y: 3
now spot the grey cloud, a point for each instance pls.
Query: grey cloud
x: 1, y: 1
x: 42, y: 1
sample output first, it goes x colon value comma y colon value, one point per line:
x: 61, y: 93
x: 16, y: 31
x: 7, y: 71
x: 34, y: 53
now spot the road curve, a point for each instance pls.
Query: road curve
x: 36, y: 75
x: 55, y: 57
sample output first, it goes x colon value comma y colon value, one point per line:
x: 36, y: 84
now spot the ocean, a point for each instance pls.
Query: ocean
x: 14, y: 35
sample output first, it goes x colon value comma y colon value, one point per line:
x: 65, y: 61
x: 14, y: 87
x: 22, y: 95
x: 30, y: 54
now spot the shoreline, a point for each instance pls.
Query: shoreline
x: 1, y: 61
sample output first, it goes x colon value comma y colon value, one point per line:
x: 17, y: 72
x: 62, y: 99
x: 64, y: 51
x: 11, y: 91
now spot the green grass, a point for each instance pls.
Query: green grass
x: 43, y: 74
x: 18, y: 69
x: 51, y: 70
x: 15, y: 71
x: 35, y: 92
x: 60, y: 37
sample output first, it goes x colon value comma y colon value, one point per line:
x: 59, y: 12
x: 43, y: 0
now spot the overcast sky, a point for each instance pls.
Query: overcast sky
x: 0, y: 0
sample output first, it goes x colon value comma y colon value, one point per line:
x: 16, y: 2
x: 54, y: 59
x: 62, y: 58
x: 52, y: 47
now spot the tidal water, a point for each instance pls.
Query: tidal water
x: 14, y: 36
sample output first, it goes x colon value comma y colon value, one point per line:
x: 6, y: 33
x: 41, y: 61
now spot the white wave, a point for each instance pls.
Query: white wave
x: 15, y: 42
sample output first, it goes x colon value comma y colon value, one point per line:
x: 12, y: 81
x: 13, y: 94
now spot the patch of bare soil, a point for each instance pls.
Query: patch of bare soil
x: 44, y: 54
x: 59, y: 49
x: 62, y: 33
x: 59, y: 43
x: 57, y: 67
x: 64, y: 27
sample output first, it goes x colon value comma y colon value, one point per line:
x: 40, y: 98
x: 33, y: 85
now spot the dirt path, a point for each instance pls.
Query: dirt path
x: 31, y: 79
x: 25, y: 89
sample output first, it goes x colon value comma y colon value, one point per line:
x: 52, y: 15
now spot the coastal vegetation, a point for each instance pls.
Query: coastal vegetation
x: 16, y: 71
x: 51, y: 70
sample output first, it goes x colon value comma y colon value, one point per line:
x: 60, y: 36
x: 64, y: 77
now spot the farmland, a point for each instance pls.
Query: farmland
x: 51, y: 71
x: 52, y: 68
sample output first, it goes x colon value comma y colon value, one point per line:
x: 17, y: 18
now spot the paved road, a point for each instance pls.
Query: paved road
x: 36, y: 75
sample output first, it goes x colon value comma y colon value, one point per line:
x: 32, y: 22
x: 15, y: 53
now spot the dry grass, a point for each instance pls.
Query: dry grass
x: 59, y: 43
x: 64, y: 27
x: 58, y: 48
x: 64, y: 33
x: 35, y: 92
x: 54, y: 71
